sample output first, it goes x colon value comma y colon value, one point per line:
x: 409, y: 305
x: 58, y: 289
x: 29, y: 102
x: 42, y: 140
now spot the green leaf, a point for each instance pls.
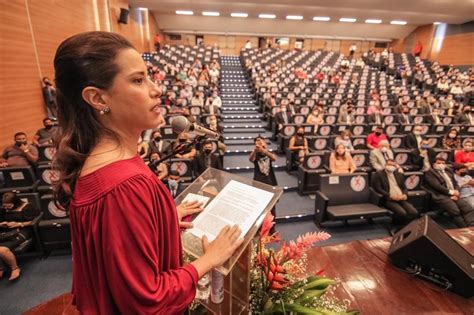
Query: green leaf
x: 320, y: 283
x: 299, y: 309
x: 310, y: 294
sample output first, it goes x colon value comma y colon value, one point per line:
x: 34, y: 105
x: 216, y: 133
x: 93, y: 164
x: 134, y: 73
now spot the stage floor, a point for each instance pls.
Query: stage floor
x: 368, y: 280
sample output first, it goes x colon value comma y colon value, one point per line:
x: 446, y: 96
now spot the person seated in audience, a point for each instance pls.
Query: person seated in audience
x: 16, y: 218
x: 178, y: 107
x: 210, y: 108
x: 423, y: 101
x: 451, y: 140
x: 346, y: 116
x: 447, y: 102
x: 404, y: 117
x: 374, y: 107
x: 456, y: 90
x: 197, y: 64
x: 44, y: 136
x: 465, y: 183
x: 262, y: 159
x: 434, y: 118
x: 376, y: 117
x: 379, y: 157
x: 207, y: 159
x: 464, y: 118
x: 343, y: 108
x: 291, y: 107
x: 465, y: 156
x: 216, y: 99
x: 283, y: 117
x: 424, y: 156
x: 20, y: 153
x: 299, y: 144
x: 340, y: 161
x: 214, y: 74
x: 427, y: 107
x: 374, y: 138
x: 142, y: 148
x: 160, y: 170
x: 198, y: 99
x: 315, y: 118
x: 189, y: 152
x: 173, y: 183
x: 170, y: 99
x: 443, y: 86
x: 390, y: 183
x: 203, y: 79
x: 413, y: 139
x: 345, y: 139
x: 439, y: 180
x: 215, y: 126
x: 157, y: 144
x: 191, y: 81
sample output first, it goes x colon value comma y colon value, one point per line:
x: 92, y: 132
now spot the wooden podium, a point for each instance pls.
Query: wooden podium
x: 237, y: 268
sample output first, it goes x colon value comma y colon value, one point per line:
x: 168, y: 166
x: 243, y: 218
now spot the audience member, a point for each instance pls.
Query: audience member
x: 451, y: 140
x: 283, y: 117
x: 404, y: 117
x: 20, y: 153
x: 444, y: 193
x: 379, y: 157
x: 206, y: 158
x: 49, y: 96
x: 465, y: 184
x: 464, y: 118
x: 173, y: 183
x: 160, y: 170
x: 390, y: 183
x: 16, y: 218
x: 345, y: 139
x: 465, y: 156
x: 315, y: 118
x: 157, y: 144
x: 188, y: 151
x: 44, y: 136
x: 413, y: 140
x: 424, y: 156
x: 299, y: 144
x: 374, y: 138
x: 340, y: 161
x: 262, y: 159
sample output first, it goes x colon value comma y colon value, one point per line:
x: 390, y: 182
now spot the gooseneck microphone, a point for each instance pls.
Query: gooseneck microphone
x: 181, y: 124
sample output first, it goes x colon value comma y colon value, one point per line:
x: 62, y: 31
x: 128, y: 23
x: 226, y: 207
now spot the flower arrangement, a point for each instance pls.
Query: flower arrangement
x: 279, y: 284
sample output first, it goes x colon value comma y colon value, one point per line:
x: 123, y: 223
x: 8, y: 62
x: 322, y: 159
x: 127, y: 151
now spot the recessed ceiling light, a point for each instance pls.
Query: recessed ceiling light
x: 436, y: 23
x: 267, y: 16
x: 183, y: 12
x: 347, y: 20
x: 239, y: 14
x: 321, y: 18
x: 294, y: 17
x: 398, y: 22
x: 210, y: 13
x: 373, y: 21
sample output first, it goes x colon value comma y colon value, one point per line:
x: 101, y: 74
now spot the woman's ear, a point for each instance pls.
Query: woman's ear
x: 94, y: 97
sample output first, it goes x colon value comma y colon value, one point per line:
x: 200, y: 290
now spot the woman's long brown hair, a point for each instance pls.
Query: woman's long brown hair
x: 86, y: 59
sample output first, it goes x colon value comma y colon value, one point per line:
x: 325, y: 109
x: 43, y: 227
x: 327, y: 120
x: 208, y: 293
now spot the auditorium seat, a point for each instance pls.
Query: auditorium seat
x: 20, y: 178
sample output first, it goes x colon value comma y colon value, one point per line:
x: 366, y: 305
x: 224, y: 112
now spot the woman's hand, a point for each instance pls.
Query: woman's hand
x: 223, y: 246
x: 188, y: 208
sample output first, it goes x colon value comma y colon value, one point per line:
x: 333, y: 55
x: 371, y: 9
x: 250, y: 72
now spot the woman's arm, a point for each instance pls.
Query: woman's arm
x: 352, y: 165
x: 332, y: 163
x: 163, y: 171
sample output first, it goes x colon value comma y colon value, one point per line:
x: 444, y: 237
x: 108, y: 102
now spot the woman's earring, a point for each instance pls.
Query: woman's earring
x: 105, y: 110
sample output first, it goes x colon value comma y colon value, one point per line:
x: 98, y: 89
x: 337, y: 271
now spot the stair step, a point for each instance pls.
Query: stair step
x: 254, y: 121
x: 231, y: 117
x: 254, y: 131
x: 284, y: 180
x: 239, y: 124
x: 293, y: 204
x: 232, y: 148
x: 231, y: 135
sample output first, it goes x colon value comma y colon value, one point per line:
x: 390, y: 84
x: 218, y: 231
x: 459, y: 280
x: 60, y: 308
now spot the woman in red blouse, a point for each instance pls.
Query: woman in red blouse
x: 125, y: 227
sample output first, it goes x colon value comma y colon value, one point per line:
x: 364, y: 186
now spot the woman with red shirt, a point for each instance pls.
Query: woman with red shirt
x: 465, y: 156
x: 125, y: 227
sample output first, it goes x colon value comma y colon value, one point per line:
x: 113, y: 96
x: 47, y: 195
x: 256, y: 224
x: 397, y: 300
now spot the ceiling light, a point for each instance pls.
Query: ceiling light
x: 436, y: 23
x: 398, y: 22
x: 210, y: 13
x: 321, y: 18
x: 294, y: 17
x: 239, y: 14
x: 373, y: 21
x: 267, y: 16
x: 182, y: 12
x: 347, y: 20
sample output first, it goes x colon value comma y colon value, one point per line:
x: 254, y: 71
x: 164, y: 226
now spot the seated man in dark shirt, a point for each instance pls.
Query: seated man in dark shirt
x: 44, y: 136
x: 174, y: 183
x: 20, y: 153
x: 207, y: 159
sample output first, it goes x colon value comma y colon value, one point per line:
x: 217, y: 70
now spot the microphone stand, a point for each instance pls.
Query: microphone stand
x: 179, y: 149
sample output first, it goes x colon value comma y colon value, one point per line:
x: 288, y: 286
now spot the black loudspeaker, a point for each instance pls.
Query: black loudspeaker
x: 424, y: 249
x: 123, y: 19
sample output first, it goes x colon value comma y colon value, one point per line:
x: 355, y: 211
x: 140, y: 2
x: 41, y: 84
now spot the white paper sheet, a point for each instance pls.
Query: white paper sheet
x: 237, y: 203
x: 195, y: 197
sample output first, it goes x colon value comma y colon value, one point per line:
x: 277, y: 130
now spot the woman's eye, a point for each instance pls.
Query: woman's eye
x: 138, y: 81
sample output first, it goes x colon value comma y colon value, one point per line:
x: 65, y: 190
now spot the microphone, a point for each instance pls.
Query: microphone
x: 181, y: 124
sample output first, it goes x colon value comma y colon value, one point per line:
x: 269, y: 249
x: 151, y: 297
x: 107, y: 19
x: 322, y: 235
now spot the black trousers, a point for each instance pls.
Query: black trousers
x: 403, y: 210
x: 461, y: 211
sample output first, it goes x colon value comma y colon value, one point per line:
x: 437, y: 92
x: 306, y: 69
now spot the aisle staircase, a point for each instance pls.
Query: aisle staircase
x: 242, y: 123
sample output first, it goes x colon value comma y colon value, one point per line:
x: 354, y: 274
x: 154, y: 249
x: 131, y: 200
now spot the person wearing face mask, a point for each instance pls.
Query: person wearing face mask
x: 341, y: 162
x: 413, y: 140
x: 183, y: 141
x: 466, y: 155
x: 160, y: 170
x: 20, y: 153
x: 346, y: 116
x: 374, y: 138
x: 379, y: 157
x: 435, y: 118
x: 173, y: 183
x: 404, y: 117
x: 207, y: 158
x: 44, y: 136
x: 391, y: 185
x: 465, y: 183
x: 451, y: 140
x: 283, y: 117
x: 345, y: 139
x: 423, y: 156
x: 49, y: 96
x: 439, y: 181
x: 315, y: 118
x: 299, y: 144
x: 157, y: 144
x: 464, y: 118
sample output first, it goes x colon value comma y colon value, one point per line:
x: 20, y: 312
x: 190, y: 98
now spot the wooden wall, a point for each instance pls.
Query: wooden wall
x: 31, y: 32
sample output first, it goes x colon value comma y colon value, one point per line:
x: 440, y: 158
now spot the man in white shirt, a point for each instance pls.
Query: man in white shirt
x: 248, y: 45
x: 216, y: 100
